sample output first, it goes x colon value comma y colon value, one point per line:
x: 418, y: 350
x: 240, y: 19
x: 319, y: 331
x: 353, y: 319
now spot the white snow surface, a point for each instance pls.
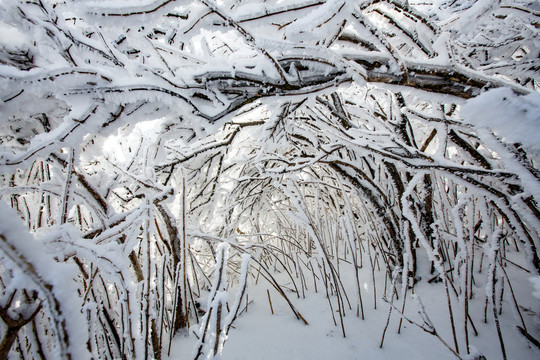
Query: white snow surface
x: 259, y: 334
x: 59, y: 276
x: 515, y: 118
x: 535, y: 281
x: 11, y: 37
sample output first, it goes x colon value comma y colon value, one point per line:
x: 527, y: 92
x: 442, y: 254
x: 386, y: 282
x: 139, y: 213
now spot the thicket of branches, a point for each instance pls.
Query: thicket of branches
x: 162, y: 153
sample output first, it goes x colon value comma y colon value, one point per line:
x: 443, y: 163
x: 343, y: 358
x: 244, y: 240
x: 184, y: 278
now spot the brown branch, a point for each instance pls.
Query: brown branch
x: 459, y: 141
x: 269, y: 13
x: 13, y: 327
x: 140, y: 12
x: 54, y: 306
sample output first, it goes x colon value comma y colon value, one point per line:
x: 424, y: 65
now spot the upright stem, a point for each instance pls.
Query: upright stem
x: 67, y: 187
x: 184, y: 251
x: 495, y: 312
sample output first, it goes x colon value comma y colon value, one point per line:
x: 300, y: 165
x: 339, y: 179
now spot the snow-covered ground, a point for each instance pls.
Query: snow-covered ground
x: 259, y: 334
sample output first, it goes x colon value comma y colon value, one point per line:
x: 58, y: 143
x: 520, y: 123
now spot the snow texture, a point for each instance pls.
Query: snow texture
x: 291, y: 179
x: 53, y: 280
x: 535, y: 281
x: 515, y: 118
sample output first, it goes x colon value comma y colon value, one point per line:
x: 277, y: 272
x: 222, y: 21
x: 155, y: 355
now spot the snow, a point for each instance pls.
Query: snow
x: 54, y: 281
x: 258, y: 332
x: 242, y: 104
x: 119, y: 4
x: 315, y: 17
x: 535, y: 281
x: 11, y: 37
x: 515, y: 118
